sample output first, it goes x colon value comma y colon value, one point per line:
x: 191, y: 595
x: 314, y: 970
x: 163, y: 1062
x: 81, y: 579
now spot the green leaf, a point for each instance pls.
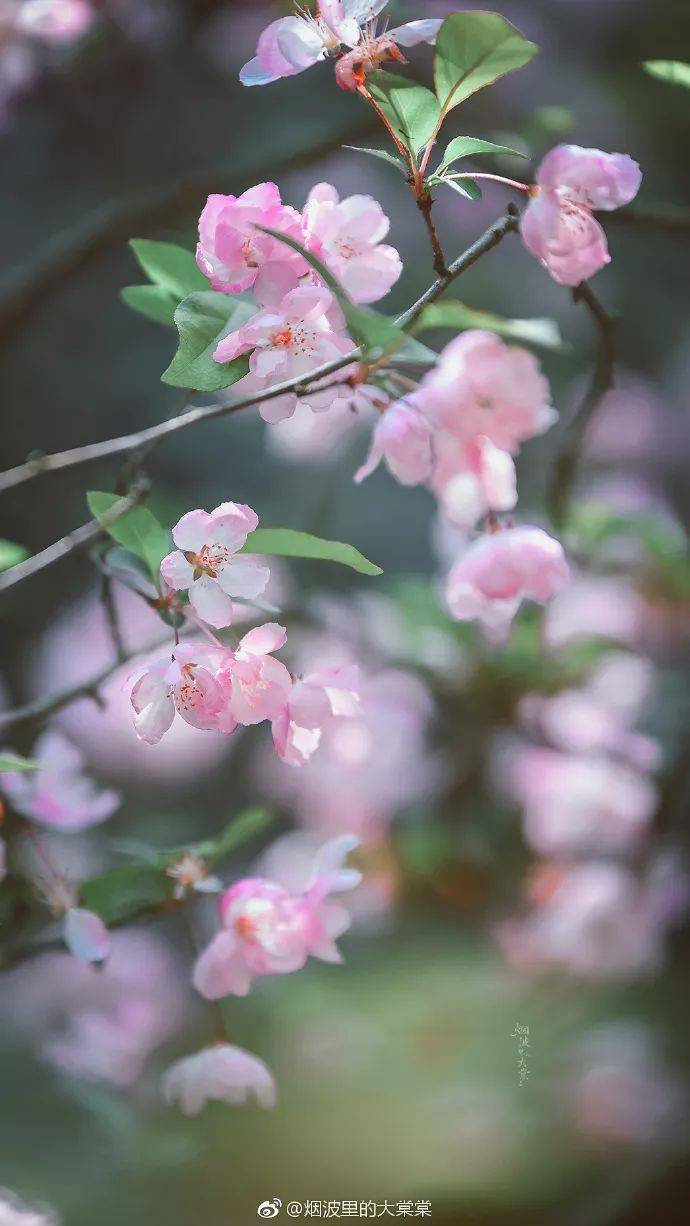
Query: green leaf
x: 470, y: 146
x: 152, y: 301
x: 11, y: 763
x: 127, y: 891
x: 287, y: 543
x: 466, y: 187
x: 380, y: 153
x: 138, y: 530
x: 411, y: 109
x: 677, y: 72
x: 172, y: 268
x: 453, y: 314
x: 11, y: 554
x: 472, y: 51
x: 202, y: 320
x: 240, y: 830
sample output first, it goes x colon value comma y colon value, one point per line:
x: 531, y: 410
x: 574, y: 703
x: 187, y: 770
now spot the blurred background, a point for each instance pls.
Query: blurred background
x: 523, y: 810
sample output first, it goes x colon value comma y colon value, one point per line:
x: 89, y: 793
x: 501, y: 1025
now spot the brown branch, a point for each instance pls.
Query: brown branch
x: 567, y: 459
x: 425, y: 203
x: 672, y: 217
x: 154, y: 434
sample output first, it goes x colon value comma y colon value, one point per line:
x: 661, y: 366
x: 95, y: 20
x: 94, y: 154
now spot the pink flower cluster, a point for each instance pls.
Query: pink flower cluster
x: 298, y: 325
x: 58, y: 794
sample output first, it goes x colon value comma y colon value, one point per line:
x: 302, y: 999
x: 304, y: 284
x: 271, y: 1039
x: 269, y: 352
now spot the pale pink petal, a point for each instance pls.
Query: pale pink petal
x: 263, y: 640
x: 192, y: 531
x: 232, y: 523
x: 177, y: 572
x: 221, y: 970
x: 86, y: 936
x: 243, y: 578
x: 414, y: 32
x: 210, y: 602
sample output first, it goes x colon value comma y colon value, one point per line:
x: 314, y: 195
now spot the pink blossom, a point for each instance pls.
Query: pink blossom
x: 347, y: 235
x: 291, y: 44
x: 14, y: 1212
x: 205, y: 562
x: 221, y: 1073
x: 86, y: 936
x: 482, y: 387
x: 58, y: 794
x: 558, y: 226
x: 55, y: 21
x: 313, y: 703
x: 268, y: 931
x: 471, y: 479
x: 293, y: 339
x: 234, y: 254
x: 190, y: 874
x: 259, y: 685
x: 500, y: 570
x: 402, y: 437
x: 187, y: 684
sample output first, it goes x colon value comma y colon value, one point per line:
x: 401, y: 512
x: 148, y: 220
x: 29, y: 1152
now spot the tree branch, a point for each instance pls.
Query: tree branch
x: 672, y: 217
x: 154, y: 434
x: 568, y: 456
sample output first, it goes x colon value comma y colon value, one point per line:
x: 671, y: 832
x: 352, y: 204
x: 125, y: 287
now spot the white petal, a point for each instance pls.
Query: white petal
x: 86, y: 936
x: 177, y: 572
x: 243, y: 578
x: 414, y: 32
x: 210, y: 602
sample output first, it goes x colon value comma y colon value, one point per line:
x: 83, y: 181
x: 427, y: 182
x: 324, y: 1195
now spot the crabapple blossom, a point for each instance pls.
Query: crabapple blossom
x: 234, y: 253
x: 268, y: 931
x: 58, y: 794
x: 292, y: 339
x: 403, y: 438
x: 55, y: 21
x: 314, y: 701
x: 347, y: 235
x: 500, y: 570
x: 186, y: 684
x: 471, y: 479
x: 205, y: 562
x: 221, y: 1073
x: 259, y: 685
x: 559, y: 226
x: 291, y: 44
x: 14, y: 1212
x: 189, y: 873
x: 85, y: 935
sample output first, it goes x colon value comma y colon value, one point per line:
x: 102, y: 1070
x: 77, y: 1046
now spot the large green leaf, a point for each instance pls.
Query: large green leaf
x: 677, y: 72
x: 138, y: 530
x: 287, y: 543
x: 472, y: 51
x: 471, y: 146
x: 11, y: 554
x: 15, y: 763
x: 411, y: 109
x: 152, y: 301
x: 453, y: 314
x: 171, y: 267
x: 202, y: 320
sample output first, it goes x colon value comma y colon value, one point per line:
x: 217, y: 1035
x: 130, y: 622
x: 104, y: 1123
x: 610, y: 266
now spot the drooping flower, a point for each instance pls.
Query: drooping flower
x: 234, y: 253
x: 559, y: 226
x: 259, y: 685
x: 54, y: 21
x: 471, y: 479
x: 291, y: 340
x: 205, y: 562
x: 58, y: 794
x: 403, y: 438
x: 186, y: 683
x: 347, y: 235
x: 268, y: 931
x: 291, y: 44
x: 500, y: 570
x: 313, y: 703
x: 221, y: 1073
x: 14, y: 1212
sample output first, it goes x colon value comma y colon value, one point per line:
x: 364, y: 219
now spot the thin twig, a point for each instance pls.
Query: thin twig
x: 154, y: 434
x: 111, y: 617
x: 75, y: 540
x: 673, y: 218
x: 567, y: 459
x: 425, y: 203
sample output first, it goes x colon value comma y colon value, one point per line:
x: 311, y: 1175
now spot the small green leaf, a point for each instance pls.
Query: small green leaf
x: 169, y: 266
x: 465, y: 187
x: 287, y: 543
x: 380, y: 153
x: 677, y: 72
x: 127, y: 891
x: 11, y: 554
x: 411, y: 109
x: 152, y: 301
x: 473, y: 50
x: 470, y: 146
x: 138, y: 530
x: 202, y: 320
x: 14, y: 763
x: 453, y: 314
x: 237, y: 832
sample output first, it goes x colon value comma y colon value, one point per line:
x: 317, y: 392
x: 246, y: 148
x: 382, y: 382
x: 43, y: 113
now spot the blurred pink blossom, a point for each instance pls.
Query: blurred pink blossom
x: 59, y: 794
x: 313, y: 703
x: 221, y: 1073
x: 55, y: 21
x: 14, y: 1212
x: 402, y: 437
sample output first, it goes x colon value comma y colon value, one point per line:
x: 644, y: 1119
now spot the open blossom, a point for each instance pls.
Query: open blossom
x: 189, y: 874
x: 347, y: 235
x: 54, y: 21
x: 268, y: 931
x: 559, y: 226
x: 259, y: 685
x: 58, y: 794
x: 221, y: 1073
x: 187, y: 684
x: 471, y: 479
x: 234, y: 254
x: 291, y: 44
x: 403, y: 438
x: 500, y: 570
x: 205, y: 562
x: 14, y: 1212
x: 314, y: 701
x: 291, y: 340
